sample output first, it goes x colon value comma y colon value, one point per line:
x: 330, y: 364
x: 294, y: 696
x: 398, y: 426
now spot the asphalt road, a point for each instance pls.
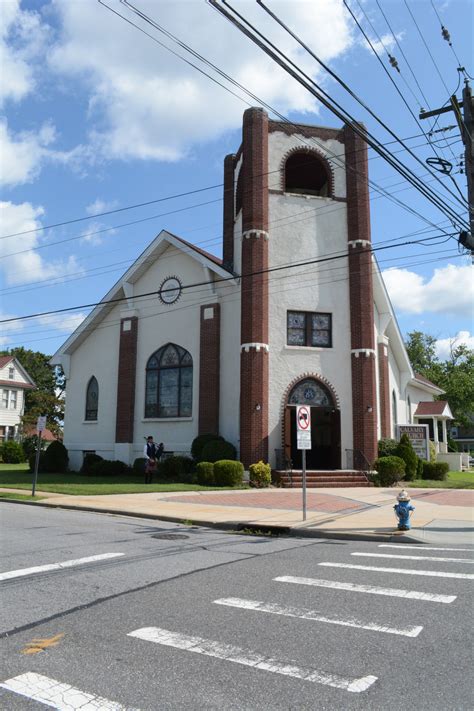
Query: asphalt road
x: 199, y: 621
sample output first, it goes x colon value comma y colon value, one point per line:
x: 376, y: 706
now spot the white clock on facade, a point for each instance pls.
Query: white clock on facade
x: 170, y: 290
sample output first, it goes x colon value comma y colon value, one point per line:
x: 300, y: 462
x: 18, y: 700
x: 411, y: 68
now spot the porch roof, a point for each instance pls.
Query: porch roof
x: 438, y: 408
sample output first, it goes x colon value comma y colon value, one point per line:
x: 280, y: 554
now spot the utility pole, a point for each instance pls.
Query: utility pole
x: 466, y: 126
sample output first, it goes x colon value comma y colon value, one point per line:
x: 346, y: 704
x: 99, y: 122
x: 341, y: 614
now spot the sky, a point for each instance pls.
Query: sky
x: 97, y: 116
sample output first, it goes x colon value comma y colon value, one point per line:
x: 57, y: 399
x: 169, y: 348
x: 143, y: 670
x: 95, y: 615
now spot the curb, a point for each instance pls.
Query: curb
x: 238, y: 526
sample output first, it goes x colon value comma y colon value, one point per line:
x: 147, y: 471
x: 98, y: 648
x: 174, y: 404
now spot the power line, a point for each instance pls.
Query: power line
x: 426, y: 46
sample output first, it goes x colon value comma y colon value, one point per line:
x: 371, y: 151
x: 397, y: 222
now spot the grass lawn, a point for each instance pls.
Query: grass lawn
x: 455, y: 480
x: 19, y: 497
x: 17, y: 476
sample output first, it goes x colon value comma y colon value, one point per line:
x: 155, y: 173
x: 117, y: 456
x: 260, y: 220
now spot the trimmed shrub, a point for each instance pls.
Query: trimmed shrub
x: 205, y: 473
x: 107, y: 467
x: 199, y: 442
x: 88, y: 463
x: 12, y: 452
x: 387, y: 447
x: 432, y: 452
x: 419, y: 469
x: 30, y: 444
x: 56, y: 458
x: 41, y: 463
x: 390, y: 470
x: 139, y: 465
x: 435, y: 470
x: 260, y: 475
x: 218, y: 449
x: 228, y: 472
x: 406, y: 452
x: 175, y: 467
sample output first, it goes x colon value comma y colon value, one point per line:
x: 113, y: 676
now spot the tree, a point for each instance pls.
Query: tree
x: 455, y: 375
x: 46, y: 398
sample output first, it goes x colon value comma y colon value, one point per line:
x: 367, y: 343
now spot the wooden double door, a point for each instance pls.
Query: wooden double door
x: 325, y: 452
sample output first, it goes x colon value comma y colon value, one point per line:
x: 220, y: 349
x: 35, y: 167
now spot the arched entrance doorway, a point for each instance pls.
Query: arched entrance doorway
x: 325, y: 452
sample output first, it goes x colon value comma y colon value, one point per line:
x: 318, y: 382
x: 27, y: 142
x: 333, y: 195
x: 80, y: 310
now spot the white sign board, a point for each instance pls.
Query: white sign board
x: 41, y: 423
x: 303, y: 427
x: 419, y: 437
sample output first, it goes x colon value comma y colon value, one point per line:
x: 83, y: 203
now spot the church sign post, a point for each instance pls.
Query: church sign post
x: 303, y: 434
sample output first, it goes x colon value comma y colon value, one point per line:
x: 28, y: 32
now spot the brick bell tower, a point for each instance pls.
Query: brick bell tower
x: 254, y: 290
x: 363, y: 354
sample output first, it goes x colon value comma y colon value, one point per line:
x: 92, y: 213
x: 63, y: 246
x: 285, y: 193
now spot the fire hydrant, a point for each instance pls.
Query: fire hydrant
x: 403, y: 510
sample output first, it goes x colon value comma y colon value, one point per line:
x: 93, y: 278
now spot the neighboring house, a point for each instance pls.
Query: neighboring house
x: 227, y: 346
x: 464, y: 436
x: 14, y: 380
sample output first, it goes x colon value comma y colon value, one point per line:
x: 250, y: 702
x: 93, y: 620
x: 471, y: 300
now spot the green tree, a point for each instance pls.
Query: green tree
x: 46, y: 398
x: 454, y: 375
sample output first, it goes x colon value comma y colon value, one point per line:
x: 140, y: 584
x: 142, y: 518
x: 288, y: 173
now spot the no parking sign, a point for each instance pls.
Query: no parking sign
x: 303, y: 426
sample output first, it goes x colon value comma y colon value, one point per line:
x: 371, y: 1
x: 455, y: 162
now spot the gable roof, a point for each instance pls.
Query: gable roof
x: 425, y: 384
x: 437, y: 408
x: 5, y: 360
x: 120, y: 291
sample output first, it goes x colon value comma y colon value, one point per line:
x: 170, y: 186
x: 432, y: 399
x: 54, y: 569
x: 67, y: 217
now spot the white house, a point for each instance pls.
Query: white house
x: 14, y: 380
x: 295, y: 312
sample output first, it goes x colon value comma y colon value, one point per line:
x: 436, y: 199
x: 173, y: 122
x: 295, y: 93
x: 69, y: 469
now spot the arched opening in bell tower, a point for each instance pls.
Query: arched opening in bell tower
x: 307, y: 174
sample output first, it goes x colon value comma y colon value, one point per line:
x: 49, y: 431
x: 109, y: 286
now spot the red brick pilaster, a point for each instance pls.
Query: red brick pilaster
x: 254, y: 290
x: 364, y: 410
x: 126, y: 379
x: 229, y: 211
x: 384, y: 389
x: 209, y: 369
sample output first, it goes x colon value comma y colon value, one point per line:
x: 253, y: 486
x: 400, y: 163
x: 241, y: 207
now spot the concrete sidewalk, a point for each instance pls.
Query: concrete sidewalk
x: 441, y: 515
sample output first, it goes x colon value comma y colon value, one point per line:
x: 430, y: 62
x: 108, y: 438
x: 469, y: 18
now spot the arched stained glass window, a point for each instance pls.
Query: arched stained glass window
x: 409, y: 409
x: 310, y: 392
x: 306, y: 173
x: 92, y: 399
x: 394, y: 410
x: 169, y: 383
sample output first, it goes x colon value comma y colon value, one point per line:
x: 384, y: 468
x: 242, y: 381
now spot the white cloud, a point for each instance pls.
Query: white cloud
x: 445, y: 345
x: 9, y: 330
x: 23, y: 39
x: 99, y: 206
x: 21, y: 156
x: 147, y: 104
x: 450, y: 290
x: 25, y: 264
x: 92, y: 234
x: 66, y: 323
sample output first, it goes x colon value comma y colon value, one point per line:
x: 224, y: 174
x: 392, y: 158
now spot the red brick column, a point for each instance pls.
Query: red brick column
x: 229, y: 210
x: 384, y: 388
x: 364, y: 409
x: 209, y: 369
x: 254, y: 290
x: 126, y: 380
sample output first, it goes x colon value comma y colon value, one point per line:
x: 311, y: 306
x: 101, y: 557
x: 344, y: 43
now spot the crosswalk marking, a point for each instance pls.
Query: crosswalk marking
x: 402, y: 571
x: 231, y: 653
x: 313, y: 615
x: 413, y: 557
x: 59, y: 696
x: 370, y: 589
x: 425, y: 549
x: 57, y: 566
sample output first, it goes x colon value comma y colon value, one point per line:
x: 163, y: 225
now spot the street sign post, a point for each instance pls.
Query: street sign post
x: 40, y: 426
x: 303, y: 436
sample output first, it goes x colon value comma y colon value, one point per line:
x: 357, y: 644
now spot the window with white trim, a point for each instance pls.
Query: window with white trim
x: 9, y: 399
x: 169, y: 383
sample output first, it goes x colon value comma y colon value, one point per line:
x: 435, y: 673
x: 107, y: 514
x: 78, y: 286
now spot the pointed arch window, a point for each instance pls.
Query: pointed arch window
x: 306, y: 173
x: 92, y: 399
x: 394, y: 410
x: 169, y: 383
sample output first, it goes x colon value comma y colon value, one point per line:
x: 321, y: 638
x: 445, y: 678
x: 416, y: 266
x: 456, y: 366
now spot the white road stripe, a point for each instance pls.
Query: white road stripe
x: 425, y: 549
x: 231, y: 653
x: 413, y: 557
x: 57, y: 695
x: 402, y: 571
x: 371, y: 589
x: 305, y: 614
x: 57, y: 566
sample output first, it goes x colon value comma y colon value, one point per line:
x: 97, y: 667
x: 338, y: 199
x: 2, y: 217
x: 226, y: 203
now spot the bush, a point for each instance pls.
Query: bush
x: 228, y: 472
x: 56, y: 458
x: 435, y: 470
x: 30, y: 444
x: 89, y: 461
x: 218, y: 449
x: 390, y: 470
x: 205, y: 473
x: 139, y: 465
x: 199, y: 442
x: 107, y: 467
x: 452, y: 445
x: 406, y: 452
x: 175, y: 467
x: 260, y: 475
x: 12, y: 452
x: 41, y: 463
x: 387, y: 447
x: 432, y: 452
x: 419, y: 469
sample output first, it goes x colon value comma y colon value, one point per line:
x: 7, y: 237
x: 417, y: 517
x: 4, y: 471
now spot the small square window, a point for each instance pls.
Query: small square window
x: 309, y: 329
x: 11, y: 373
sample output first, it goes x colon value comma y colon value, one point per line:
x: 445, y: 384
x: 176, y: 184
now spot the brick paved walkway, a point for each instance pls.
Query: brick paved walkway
x: 448, y: 497
x: 289, y: 500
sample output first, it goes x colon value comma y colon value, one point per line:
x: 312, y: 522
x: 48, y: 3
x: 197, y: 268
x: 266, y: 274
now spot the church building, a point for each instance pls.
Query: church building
x: 295, y: 312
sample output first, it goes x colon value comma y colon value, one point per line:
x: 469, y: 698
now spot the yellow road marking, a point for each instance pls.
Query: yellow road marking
x: 38, y: 645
